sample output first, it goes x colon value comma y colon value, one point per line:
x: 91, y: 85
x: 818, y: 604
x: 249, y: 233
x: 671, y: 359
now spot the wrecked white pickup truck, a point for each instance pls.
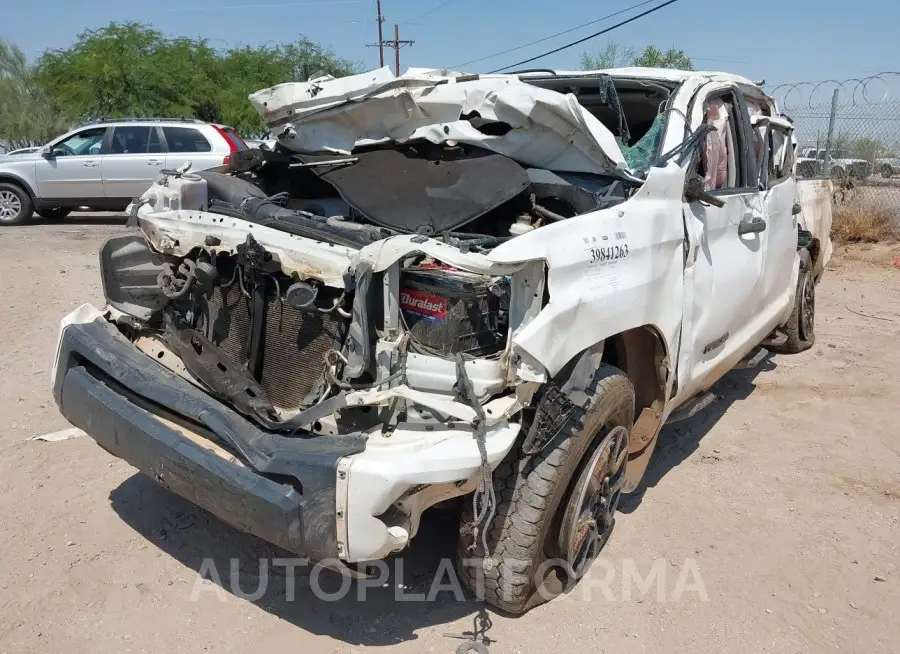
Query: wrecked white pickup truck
x: 443, y: 286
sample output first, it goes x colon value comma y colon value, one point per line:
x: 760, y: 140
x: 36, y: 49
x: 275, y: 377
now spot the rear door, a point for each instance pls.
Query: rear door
x: 73, y: 168
x: 189, y: 144
x: 724, y: 266
x: 133, y: 155
x: 779, y: 191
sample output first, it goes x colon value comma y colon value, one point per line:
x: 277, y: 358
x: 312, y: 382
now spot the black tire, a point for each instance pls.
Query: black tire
x: 801, y: 326
x: 56, y: 213
x: 887, y: 171
x: 15, y: 204
x: 534, y: 494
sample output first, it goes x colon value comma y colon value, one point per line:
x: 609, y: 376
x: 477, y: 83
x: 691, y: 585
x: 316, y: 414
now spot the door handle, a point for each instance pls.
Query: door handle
x: 754, y: 226
x: 154, y: 162
x: 90, y: 164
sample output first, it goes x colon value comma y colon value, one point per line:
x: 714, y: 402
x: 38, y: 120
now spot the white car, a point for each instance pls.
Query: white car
x: 887, y: 166
x: 103, y: 166
x: 457, y: 286
x: 811, y: 163
x: 19, y: 151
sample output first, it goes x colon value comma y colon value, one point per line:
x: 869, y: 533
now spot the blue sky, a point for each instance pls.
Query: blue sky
x: 779, y: 40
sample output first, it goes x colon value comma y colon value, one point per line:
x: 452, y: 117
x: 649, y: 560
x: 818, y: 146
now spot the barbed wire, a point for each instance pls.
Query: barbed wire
x: 854, y: 91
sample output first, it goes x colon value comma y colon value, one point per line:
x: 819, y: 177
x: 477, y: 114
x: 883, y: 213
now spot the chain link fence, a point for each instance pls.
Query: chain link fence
x: 850, y: 131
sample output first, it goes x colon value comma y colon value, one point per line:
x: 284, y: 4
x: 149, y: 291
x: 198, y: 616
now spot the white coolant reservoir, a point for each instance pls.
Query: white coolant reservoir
x: 187, y: 192
x: 521, y: 226
x: 183, y: 192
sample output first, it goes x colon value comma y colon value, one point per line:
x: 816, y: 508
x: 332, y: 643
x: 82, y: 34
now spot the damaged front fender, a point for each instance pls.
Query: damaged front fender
x: 607, y: 272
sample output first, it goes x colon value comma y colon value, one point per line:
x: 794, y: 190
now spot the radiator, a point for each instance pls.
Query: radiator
x: 294, y: 343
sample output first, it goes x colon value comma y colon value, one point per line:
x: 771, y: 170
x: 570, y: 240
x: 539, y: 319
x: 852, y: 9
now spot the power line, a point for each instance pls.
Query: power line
x: 587, y: 38
x: 285, y: 5
x: 434, y: 9
x: 553, y: 36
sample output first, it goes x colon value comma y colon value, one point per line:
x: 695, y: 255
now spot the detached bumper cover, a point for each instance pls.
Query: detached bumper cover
x: 96, y: 371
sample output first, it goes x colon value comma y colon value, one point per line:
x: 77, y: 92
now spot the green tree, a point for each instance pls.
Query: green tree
x: 868, y: 149
x: 26, y: 117
x: 612, y: 55
x: 131, y: 69
x: 653, y: 57
x: 128, y: 69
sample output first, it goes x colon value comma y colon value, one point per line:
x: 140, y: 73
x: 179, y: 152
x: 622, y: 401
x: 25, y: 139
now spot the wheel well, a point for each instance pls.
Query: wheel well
x: 9, y: 179
x: 640, y: 354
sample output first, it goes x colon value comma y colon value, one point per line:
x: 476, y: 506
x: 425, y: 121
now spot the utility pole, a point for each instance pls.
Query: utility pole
x: 380, y: 39
x: 396, y: 44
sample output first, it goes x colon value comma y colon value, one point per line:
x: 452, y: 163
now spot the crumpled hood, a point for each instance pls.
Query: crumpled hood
x: 534, y: 126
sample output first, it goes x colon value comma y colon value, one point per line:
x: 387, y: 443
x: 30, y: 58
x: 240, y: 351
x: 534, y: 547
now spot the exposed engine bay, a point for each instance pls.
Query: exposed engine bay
x: 285, y: 338
x: 275, y: 346
x: 462, y: 195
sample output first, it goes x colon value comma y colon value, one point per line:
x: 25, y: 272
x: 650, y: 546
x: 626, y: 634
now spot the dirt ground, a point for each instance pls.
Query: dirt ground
x: 783, y: 498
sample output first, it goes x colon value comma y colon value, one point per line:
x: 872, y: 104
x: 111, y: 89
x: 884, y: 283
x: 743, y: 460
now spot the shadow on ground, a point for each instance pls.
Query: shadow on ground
x: 371, y: 614
x: 84, y: 219
x: 679, y: 440
x: 362, y: 613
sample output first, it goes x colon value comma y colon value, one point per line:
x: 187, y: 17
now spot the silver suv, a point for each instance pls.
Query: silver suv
x: 103, y: 166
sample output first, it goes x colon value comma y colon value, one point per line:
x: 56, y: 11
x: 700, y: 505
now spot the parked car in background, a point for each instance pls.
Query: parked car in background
x: 888, y: 166
x: 21, y: 151
x: 102, y: 166
x: 267, y: 142
x: 811, y: 163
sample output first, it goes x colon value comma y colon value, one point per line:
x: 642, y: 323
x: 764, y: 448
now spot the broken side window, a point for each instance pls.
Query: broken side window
x: 721, y: 162
x: 781, y: 155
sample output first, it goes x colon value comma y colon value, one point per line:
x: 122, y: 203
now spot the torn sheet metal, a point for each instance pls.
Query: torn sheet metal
x: 610, y: 270
x: 178, y: 232
x: 546, y: 129
x: 814, y: 196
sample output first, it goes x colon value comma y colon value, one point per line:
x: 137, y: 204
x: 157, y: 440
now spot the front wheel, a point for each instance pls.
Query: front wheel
x: 556, y: 508
x: 800, y: 328
x: 15, y: 205
x: 887, y: 171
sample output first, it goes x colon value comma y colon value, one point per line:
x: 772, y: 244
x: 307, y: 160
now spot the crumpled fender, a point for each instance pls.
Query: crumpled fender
x: 608, y: 271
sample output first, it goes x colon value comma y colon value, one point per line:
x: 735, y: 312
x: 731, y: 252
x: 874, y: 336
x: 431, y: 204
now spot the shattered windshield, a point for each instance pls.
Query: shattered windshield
x: 640, y: 155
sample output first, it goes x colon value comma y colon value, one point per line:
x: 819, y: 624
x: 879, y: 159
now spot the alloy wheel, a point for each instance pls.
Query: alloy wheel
x: 10, y: 206
x: 590, y: 514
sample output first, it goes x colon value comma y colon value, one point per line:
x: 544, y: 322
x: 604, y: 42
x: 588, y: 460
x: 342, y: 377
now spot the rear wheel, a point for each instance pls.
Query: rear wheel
x: 15, y: 205
x: 887, y: 171
x: 56, y: 213
x: 555, y: 508
x: 800, y: 328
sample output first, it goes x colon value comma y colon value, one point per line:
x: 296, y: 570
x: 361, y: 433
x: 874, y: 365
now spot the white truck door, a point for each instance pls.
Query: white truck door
x: 780, y: 260
x: 726, y: 247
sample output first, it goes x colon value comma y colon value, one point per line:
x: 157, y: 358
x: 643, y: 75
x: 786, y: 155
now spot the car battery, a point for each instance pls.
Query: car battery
x: 448, y: 311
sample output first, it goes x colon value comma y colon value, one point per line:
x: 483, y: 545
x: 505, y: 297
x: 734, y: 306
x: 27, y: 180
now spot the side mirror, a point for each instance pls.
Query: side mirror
x: 47, y: 152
